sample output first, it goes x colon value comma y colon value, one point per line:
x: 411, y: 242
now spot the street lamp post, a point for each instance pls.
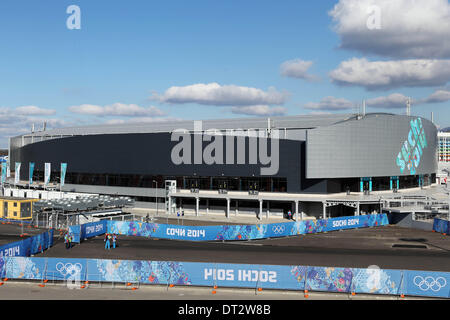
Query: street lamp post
x: 156, y: 196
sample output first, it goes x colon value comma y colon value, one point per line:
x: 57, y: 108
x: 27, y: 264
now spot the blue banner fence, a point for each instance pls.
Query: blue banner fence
x: 243, y: 232
x: 326, y: 279
x: 441, y: 226
x: 27, y: 247
x: 321, y: 279
x: 88, y: 230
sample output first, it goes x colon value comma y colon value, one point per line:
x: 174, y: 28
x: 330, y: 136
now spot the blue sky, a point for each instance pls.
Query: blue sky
x: 128, y: 54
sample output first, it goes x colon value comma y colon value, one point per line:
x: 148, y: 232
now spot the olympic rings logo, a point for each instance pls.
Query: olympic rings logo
x: 69, y: 269
x: 429, y: 283
x: 278, y: 229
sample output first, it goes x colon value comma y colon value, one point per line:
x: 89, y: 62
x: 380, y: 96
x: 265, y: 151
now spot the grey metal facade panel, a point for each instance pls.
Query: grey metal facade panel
x: 366, y: 148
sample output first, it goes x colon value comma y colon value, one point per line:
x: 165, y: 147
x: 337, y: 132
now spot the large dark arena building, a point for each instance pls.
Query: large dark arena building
x: 323, y: 154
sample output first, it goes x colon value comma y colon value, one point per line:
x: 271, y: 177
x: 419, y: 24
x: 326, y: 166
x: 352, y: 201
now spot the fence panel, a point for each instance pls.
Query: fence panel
x: 376, y: 281
x: 345, y: 280
x: 29, y: 246
x: 441, y: 226
x: 242, y: 232
x: 430, y: 284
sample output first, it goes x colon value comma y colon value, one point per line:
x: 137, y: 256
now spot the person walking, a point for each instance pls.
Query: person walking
x: 66, y: 240
x: 114, y: 240
x: 70, y: 240
x: 107, y: 242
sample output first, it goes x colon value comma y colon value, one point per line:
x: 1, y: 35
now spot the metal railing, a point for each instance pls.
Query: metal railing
x: 58, y: 220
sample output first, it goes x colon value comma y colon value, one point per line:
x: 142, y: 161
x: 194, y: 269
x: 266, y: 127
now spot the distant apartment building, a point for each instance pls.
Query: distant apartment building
x: 443, y: 157
x: 444, y: 147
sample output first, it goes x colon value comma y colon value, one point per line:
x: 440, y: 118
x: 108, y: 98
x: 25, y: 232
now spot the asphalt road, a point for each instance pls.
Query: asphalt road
x: 350, y: 248
x: 11, y: 232
x: 358, y: 248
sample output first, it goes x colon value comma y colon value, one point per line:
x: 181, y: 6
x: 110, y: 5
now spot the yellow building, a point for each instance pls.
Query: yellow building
x: 16, y: 208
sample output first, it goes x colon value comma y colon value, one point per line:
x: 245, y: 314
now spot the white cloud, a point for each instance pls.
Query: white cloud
x: 215, y: 94
x: 17, y: 121
x: 408, y: 28
x: 26, y: 111
x: 297, y: 69
x: 14, y: 124
x: 116, y: 109
x: 441, y: 95
x: 261, y: 110
x: 393, y: 101
x: 34, y: 111
x: 391, y: 74
x: 330, y: 104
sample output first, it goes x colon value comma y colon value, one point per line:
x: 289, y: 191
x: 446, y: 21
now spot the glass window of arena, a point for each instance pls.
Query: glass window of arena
x: 268, y: 184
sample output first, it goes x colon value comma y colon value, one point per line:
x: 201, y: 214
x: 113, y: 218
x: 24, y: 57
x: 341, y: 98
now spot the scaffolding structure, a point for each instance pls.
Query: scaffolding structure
x: 63, y: 213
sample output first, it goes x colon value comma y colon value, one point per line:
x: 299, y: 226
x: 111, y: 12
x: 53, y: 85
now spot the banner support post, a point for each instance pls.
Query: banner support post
x: 402, y: 295
x: 352, y: 291
x: 215, y: 278
x: 5, y: 272
x: 305, y: 290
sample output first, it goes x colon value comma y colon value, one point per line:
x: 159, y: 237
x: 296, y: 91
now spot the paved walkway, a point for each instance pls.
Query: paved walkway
x: 209, y: 219
x: 31, y: 291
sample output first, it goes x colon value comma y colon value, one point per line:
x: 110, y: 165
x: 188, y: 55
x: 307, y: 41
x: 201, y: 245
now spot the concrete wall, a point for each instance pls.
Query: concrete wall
x: 406, y: 220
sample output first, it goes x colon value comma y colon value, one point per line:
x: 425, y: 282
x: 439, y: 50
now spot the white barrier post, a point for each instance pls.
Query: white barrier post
x: 402, y: 295
x: 44, y: 278
x: 84, y: 285
x: 352, y: 286
x: 214, y: 279
x: 306, y: 284
x: 3, y: 276
x: 257, y: 288
x: 169, y: 280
